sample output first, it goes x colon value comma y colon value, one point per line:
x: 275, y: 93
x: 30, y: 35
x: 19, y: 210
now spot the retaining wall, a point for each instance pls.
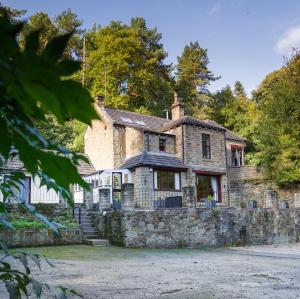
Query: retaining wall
x: 200, y: 227
x: 40, y: 237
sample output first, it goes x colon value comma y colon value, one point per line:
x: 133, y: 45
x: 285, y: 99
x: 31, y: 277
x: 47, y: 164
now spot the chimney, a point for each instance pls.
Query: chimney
x: 99, y: 100
x: 177, y: 107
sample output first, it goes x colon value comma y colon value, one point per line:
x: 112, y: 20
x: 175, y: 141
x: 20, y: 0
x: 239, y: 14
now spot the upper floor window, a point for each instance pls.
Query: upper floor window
x: 237, y: 156
x: 162, y: 144
x: 206, y: 147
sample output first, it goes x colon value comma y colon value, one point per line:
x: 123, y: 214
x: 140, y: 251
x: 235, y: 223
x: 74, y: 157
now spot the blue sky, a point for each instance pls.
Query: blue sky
x: 246, y: 39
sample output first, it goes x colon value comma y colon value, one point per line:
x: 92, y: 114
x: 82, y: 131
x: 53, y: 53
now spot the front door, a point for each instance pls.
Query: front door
x: 208, y: 185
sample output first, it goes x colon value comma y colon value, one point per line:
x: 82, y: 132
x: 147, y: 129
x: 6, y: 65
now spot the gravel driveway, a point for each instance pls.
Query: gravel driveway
x: 110, y: 272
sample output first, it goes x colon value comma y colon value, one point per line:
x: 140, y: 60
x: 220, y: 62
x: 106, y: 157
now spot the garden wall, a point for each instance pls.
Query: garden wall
x: 200, y: 227
x: 33, y: 237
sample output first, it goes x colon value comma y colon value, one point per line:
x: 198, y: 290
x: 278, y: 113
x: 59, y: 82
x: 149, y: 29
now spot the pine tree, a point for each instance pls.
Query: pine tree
x: 193, y: 77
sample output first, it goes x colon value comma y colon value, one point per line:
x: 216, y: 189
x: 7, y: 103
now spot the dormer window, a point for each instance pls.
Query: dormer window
x: 162, y: 144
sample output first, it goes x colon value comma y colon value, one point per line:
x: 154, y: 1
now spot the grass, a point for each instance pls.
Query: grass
x: 102, y: 253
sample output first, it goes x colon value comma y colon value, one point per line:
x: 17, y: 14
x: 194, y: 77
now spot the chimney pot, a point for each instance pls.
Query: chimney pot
x: 177, y: 107
x: 99, y: 100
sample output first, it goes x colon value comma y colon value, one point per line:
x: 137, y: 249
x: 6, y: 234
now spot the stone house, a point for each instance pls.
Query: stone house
x: 164, y: 155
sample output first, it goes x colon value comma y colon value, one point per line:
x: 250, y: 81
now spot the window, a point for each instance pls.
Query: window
x: 166, y: 180
x: 22, y: 190
x: 162, y: 144
x: 207, y: 185
x: 237, y: 156
x: 206, y: 150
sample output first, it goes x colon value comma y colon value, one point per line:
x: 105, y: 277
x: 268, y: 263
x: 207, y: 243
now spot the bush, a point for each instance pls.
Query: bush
x: 20, y: 219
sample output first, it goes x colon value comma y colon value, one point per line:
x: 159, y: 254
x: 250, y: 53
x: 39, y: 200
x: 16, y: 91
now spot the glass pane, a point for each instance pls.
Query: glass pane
x: 177, y: 181
x: 163, y: 180
x: 171, y: 183
x: 155, y: 180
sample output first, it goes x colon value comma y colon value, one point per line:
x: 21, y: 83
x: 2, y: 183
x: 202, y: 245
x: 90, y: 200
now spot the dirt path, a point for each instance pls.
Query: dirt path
x: 252, y: 272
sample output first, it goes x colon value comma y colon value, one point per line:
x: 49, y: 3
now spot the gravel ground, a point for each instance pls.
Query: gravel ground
x: 248, y: 272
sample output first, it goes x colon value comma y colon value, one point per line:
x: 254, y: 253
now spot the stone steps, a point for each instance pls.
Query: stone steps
x: 89, y: 230
x: 97, y: 242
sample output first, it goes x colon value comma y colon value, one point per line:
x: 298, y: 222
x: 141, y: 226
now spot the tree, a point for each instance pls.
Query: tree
x: 220, y: 99
x: 67, y: 22
x: 13, y: 14
x: 278, y: 137
x: 26, y: 97
x: 125, y: 64
x: 193, y: 78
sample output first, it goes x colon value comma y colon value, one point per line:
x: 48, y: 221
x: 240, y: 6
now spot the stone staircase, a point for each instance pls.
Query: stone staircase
x: 90, y: 235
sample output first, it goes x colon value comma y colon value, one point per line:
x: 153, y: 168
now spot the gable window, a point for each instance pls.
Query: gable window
x: 206, y: 148
x: 162, y: 144
x: 167, y: 180
x: 237, y: 156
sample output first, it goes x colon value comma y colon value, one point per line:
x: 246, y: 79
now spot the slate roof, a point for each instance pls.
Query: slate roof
x: 160, y: 125
x: 228, y: 134
x: 154, y: 159
x: 188, y: 120
x: 16, y: 164
x: 151, y: 123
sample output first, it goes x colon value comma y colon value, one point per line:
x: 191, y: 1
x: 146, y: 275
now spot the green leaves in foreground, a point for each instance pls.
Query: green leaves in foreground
x: 33, y: 84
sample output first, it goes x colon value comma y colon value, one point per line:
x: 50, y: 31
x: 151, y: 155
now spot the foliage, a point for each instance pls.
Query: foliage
x: 66, y: 22
x: 13, y: 14
x: 33, y: 84
x: 278, y: 137
x: 69, y: 135
x: 233, y: 110
x: 125, y: 64
x: 19, y: 217
x: 193, y: 78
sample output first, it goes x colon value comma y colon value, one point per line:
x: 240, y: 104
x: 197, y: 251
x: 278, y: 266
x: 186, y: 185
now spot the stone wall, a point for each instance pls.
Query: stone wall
x: 151, y: 142
x: 243, y: 173
x: 134, y: 142
x: 98, y: 142
x: 200, y: 227
x: 27, y: 237
x: 193, y: 149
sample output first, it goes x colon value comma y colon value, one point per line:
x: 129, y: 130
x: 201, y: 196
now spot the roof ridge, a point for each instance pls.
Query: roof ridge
x: 131, y: 112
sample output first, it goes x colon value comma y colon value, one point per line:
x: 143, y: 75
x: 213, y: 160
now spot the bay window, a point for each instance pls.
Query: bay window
x: 167, y: 180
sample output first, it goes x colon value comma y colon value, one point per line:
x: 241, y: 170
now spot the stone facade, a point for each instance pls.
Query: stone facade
x: 40, y: 237
x: 196, y: 228
x: 99, y: 142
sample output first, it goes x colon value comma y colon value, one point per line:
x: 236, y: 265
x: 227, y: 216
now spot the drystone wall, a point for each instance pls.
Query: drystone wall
x: 200, y: 227
x: 28, y: 237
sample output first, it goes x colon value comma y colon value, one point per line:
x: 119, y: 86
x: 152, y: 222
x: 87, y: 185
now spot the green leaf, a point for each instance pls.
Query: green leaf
x: 32, y: 41
x: 55, y: 47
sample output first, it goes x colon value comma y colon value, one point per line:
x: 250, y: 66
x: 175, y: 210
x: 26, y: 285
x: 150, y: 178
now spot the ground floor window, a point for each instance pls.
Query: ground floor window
x: 167, y: 180
x: 208, y: 185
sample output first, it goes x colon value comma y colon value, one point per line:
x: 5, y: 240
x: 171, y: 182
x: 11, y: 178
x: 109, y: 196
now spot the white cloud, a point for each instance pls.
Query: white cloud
x: 289, y: 40
x: 215, y: 8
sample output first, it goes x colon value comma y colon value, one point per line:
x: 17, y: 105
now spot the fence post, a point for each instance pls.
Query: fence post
x: 271, y: 199
x: 127, y: 197
x: 104, y: 199
x: 188, y: 197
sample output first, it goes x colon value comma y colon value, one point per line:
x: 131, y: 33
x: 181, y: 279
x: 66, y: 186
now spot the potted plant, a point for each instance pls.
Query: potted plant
x: 158, y: 202
x: 117, y: 201
x: 210, y: 202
